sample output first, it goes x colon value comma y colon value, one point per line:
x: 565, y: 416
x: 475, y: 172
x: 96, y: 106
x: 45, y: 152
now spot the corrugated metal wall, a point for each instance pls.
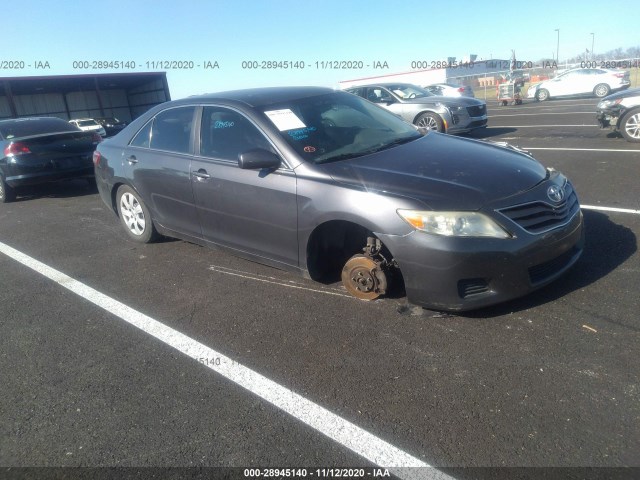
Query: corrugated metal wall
x: 122, y: 103
x: 5, y: 110
x: 144, y: 97
x: 43, y: 104
x: 116, y: 104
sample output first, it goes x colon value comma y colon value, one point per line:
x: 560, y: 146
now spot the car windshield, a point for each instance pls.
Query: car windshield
x: 337, y: 126
x: 26, y: 127
x: 409, y: 91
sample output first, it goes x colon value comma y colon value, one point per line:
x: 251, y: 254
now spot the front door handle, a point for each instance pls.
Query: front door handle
x: 202, y: 173
x: 132, y: 159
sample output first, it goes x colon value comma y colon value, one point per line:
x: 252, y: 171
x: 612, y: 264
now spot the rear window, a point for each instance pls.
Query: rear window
x: 25, y: 127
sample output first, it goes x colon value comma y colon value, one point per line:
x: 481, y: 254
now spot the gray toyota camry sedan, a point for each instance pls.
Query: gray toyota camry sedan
x: 329, y: 185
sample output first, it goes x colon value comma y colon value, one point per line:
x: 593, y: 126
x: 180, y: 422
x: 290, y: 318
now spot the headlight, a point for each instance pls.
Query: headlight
x: 454, y: 224
x: 608, y: 103
x: 454, y: 108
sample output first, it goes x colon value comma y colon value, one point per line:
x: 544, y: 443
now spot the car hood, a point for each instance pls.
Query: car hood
x: 453, y: 101
x: 443, y: 172
x: 632, y: 92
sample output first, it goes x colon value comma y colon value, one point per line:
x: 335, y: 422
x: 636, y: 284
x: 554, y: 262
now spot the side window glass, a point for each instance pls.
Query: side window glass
x: 171, y: 130
x: 226, y: 134
x: 142, y: 137
x: 379, y: 95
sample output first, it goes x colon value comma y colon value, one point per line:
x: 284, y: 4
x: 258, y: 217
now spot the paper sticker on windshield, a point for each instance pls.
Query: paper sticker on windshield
x: 309, y: 149
x: 284, y: 119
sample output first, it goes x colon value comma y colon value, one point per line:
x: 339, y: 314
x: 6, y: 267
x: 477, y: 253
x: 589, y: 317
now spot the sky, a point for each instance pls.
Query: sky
x: 68, y: 36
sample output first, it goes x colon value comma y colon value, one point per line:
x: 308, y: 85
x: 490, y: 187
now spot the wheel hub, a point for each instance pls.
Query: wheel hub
x: 363, y: 278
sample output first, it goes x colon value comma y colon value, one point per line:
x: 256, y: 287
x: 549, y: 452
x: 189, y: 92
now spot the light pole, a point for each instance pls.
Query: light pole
x: 558, y: 46
x: 593, y: 36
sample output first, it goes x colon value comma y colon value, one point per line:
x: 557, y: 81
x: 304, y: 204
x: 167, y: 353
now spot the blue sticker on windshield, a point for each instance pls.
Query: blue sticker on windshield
x: 301, y: 133
x: 221, y: 124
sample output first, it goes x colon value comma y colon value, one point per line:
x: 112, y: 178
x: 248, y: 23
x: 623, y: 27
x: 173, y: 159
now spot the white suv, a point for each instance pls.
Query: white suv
x: 89, y: 125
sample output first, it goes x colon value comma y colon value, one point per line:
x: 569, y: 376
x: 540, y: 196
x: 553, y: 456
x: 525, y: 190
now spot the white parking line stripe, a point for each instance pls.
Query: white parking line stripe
x: 227, y: 269
x: 610, y: 209
x: 333, y: 426
x: 536, y: 114
x: 547, y: 107
x: 583, y: 149
x: 541, y: 126
x: 282, y: 284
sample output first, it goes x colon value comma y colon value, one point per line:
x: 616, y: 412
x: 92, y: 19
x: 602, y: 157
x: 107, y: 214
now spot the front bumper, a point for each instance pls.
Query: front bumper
x: 447, y: 273
x: 609, y: 117
x: 462, y: 122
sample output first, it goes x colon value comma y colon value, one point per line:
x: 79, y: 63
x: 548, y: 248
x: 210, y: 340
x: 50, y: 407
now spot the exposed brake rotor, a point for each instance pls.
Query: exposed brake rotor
x: 364, y: 278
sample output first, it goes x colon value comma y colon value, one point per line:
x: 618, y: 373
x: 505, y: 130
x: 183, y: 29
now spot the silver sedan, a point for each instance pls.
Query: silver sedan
x: 420, y: 107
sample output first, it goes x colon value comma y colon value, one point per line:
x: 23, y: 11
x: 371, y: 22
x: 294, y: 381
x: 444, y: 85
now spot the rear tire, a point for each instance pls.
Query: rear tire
x: 135, y: 216
x: 7, y: 193
x: 601, y: 90
x: 430, y: 121
x: 542, y: 95
x: 630, y: 126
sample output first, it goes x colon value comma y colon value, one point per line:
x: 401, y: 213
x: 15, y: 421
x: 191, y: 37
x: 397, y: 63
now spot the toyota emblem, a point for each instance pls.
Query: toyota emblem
x: 555, y: 193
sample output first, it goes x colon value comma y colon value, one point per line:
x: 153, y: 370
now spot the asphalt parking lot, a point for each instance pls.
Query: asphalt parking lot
x: 549, y: 380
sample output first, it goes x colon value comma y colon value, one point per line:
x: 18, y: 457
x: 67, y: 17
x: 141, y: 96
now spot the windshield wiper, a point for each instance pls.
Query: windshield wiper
x: 342, y: 156
x: 398, y: 141
x: 346, y: 156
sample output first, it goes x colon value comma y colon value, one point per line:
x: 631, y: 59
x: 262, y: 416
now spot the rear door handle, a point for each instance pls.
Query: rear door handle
x: 202, y: 173
x: 132, y: 159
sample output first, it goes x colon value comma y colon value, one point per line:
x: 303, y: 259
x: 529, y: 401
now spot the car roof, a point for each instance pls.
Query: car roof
x: 258, y: 97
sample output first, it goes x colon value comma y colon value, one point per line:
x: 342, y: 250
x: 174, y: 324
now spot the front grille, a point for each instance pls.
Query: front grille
x: 472, y: 286
x: 538, y: 217
x: 477, y: 111
x: 544, y: 271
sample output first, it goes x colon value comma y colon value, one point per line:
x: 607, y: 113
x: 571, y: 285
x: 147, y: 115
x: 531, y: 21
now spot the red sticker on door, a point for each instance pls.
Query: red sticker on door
x: 309, y: 149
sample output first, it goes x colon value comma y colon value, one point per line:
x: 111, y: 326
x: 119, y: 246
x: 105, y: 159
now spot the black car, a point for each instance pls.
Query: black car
x: 329, y: 185
x: 111, y: 125
x: 42, y: 149
x: 621, y: 112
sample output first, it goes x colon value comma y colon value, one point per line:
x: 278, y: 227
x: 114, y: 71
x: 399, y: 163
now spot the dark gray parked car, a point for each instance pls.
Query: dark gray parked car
x: 621, y: 112
x: 329, y: 185
x: 38, y: 150
x: 424, y: 109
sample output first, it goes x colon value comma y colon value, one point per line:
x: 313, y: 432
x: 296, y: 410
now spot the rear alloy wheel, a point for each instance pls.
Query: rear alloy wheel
x: 601, y: 90
x: 542, y: 95
x: 135, y: 216
x: 630, y: 126
x: 363, y: 278
x: 430, y: 121
x: 7, y: 193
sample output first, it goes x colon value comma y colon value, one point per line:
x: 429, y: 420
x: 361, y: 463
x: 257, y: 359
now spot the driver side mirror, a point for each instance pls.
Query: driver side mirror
x: 258, y: 159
